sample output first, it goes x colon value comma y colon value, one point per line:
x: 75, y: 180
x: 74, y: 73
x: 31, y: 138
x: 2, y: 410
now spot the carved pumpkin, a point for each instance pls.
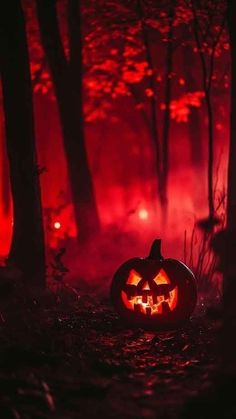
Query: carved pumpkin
x: 154, y: 291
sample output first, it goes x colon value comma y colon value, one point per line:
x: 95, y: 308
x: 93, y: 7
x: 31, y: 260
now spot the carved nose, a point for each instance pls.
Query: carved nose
x: 146, y: 287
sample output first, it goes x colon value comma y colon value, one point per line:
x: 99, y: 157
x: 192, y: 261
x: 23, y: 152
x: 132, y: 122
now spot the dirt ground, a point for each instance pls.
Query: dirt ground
x: 67, y: 359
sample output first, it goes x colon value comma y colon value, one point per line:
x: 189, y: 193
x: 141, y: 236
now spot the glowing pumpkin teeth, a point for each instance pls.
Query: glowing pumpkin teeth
x: 150, y: 304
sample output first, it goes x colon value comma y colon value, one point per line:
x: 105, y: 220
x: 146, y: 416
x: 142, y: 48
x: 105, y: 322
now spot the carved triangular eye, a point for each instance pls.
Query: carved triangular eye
x: 161, y: 278
x: 134, y: 278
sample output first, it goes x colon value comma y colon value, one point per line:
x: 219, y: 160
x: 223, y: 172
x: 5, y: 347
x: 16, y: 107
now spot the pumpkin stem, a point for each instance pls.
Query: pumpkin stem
x: 155, y: 251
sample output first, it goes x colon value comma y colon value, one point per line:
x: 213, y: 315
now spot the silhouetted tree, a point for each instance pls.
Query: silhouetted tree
x: 167, y: 99
x: 194, y: 121
x: 207, y: 65
x: 67, y: 80
x: 152, y: 122
x: 27, y: 247
x: 229, y: 259
x: 6, y: 194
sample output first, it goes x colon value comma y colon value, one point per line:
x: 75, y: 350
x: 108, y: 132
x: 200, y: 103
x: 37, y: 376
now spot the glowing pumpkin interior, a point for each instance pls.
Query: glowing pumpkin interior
x: 145, y: 300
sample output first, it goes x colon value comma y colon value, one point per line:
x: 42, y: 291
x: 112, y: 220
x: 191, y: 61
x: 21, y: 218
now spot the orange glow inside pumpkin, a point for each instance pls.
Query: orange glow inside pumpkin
x: 145, y: 303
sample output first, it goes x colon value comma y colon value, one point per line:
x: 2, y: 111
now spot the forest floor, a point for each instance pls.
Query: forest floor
x: 75, y: 359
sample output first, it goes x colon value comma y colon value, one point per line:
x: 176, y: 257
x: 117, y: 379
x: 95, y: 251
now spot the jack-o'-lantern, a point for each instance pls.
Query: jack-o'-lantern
x: 154, y: 291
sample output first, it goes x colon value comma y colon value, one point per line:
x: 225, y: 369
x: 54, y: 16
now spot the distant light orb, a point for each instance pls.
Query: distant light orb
x: 57, y: 225
x: 143, y: 214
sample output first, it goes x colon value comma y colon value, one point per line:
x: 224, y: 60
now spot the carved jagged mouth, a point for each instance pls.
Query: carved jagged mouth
x: 149, y: 304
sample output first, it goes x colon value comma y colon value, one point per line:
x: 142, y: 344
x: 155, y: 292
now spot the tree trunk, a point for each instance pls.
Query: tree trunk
x: 27, y: 247
x: 67, y: 80
x: 210, y: 154
x: 195, y: 131
x: 166, y: 120
x: 153, y: 124
x: 207, y: 73
x: 6, y: 192
x: 194, y: 122
x: 229, y: 291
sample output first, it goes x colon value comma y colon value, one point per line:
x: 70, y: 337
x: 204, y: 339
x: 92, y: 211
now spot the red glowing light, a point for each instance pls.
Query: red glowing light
x: 143, y: 214
x: 57, y: 225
